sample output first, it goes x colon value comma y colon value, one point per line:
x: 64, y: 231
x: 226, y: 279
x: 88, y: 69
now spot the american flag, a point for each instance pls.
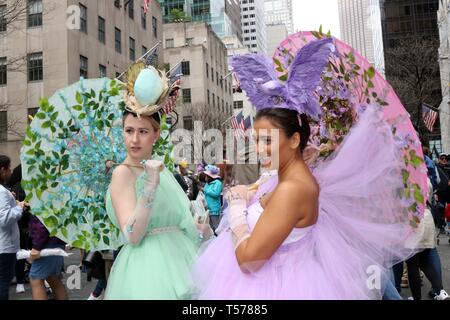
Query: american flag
x: 237, y: 123
x: 146, y: 5
x: 172, y: 99
x: 176, y: 73
x: 429, y: 116
x: 151, y: 56
x: 237, y: 88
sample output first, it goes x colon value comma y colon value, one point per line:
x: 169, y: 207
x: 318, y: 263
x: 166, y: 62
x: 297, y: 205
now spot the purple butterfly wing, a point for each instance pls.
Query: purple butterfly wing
x: 305, y: 74
x: 258, y: 79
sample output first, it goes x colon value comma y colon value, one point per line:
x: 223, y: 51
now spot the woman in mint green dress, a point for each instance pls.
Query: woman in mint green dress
x: 145, y: 201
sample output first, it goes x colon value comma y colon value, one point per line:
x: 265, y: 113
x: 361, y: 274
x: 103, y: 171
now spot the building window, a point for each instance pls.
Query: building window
x: 212, y: 74
x: 118, y: 37
x: 143, y: 19
x: 238, y: 104
x: 101, y: 30
x: 209, y: 99
x: 131, y: 9
x: 34, y: 13
x: 101, y: 71
x: 155, y: 27
x: 185, y: 68
x: 223, y: 106
x: 217, y: 78
x: 83, y: 67
x: 3, y: 25
x: 207, y: 70
x: 83, y: 19
x: 189, y: 41
x: 31, y: 113
x: 132, y: 49
x: 3, y: 71
x: 35, y: 69
x: 188, y: 123
x: 214, y: 99
x: 169, y: 43
x: 144, y: 50
x: 187, y: 96
x: 3, y: 125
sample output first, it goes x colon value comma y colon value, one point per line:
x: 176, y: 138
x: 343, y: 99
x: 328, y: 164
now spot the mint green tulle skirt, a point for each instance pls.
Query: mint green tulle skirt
x: 157, y: 269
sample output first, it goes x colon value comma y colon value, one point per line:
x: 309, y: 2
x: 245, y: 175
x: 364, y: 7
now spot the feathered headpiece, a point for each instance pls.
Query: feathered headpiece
x: 258, y: 79
x: 147, y: 89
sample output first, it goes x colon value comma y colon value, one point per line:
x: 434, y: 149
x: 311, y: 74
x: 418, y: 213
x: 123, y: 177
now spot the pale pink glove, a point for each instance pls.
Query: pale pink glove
x: 237, y: 199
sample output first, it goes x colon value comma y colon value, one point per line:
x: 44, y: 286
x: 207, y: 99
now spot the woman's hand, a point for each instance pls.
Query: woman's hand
x: 236, y: 193
x: 153, y: 168
x: 34, y: 255
x: 204, y: 228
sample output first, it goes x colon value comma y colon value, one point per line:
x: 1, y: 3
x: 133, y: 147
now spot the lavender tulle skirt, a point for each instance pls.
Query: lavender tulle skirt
x: 362, y: 230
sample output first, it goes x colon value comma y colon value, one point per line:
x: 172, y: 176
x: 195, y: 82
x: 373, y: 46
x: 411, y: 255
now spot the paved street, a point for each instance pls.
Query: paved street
x: 86, y: 287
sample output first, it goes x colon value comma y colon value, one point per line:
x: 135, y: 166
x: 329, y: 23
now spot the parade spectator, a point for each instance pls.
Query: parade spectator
x: 213, y: 194
x: 10, y: 213
x: 15, y: 185
x: 431, y: 167
x: 45, y: 268
x: 189, y: 179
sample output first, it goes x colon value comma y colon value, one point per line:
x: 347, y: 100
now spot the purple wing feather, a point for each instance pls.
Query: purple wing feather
x: 305, y: 74
x: 258, y: 79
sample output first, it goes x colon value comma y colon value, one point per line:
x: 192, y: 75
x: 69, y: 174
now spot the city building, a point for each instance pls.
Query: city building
x: 360, y: 23
x: 224, y: 16
x: 279, y: 11
x: 56, y: 42
x: 207, y: 93
x: 253, y: 25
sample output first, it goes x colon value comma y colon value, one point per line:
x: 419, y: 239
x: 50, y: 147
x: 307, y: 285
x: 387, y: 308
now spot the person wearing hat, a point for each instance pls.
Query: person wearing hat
x: 213, y: 194
x: 147, y: 205
x: 192, y: 186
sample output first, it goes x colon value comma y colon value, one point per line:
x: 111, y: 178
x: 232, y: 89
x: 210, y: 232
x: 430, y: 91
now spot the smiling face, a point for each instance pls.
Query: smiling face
x: 139, y: 136
x: 274, y: 147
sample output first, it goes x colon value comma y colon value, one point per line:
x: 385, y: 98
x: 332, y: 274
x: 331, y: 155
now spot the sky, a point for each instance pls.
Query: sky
x: 310, y: 14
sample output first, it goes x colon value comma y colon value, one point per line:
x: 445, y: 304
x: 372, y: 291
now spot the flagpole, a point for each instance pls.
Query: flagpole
x: 155, y: 46
x: 168, y: 72
x: 227, y: 120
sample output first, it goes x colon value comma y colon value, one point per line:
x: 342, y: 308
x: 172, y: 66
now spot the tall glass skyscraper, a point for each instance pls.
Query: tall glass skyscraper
x: 224, y: 16
x: 279, y: 11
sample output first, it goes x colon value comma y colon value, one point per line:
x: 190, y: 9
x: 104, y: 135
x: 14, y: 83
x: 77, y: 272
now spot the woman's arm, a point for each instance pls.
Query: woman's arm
x: 133, y: 211
x: 8, y: 214
x: 290, y: 205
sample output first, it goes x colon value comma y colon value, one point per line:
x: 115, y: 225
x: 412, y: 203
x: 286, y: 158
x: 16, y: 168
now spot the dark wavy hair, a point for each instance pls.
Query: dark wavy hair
x: 287, y: 120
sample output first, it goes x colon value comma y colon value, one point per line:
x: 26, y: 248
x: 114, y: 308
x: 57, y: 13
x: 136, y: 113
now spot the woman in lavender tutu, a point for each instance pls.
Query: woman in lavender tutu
x: 329, y: 233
